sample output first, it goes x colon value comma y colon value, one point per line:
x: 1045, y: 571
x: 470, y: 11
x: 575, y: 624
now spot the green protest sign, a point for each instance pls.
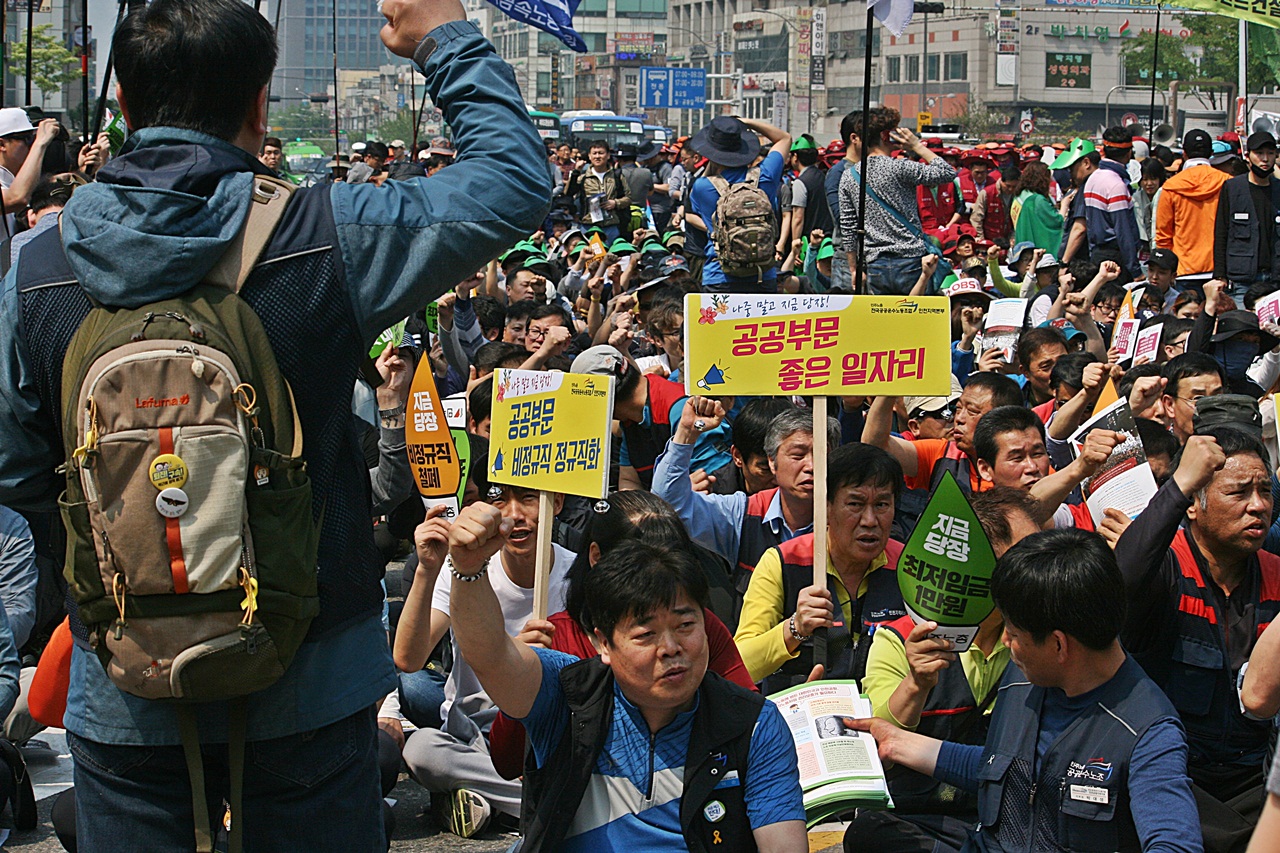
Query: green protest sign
x: 455, y: 415
x: 393, y: 335
x: 944, y: 572
x: 432, y: 315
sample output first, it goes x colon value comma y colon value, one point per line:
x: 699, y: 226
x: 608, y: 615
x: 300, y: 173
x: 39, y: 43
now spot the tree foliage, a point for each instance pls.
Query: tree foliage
x: 52, y: 64
x: 1210, y: 52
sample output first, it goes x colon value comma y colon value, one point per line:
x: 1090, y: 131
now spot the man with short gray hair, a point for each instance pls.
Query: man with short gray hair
x: 739, y: 527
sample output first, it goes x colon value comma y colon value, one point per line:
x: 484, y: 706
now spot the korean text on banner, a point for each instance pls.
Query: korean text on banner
x: 436, y: 470
x: 944, y: 572
x: 550, y: 431
x: 779, y: 345
x: 455, y: 414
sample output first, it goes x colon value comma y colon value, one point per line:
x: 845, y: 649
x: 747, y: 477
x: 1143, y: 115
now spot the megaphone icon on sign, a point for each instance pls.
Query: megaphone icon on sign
x: 715, y: 376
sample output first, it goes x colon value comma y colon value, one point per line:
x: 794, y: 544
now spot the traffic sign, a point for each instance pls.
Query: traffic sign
x: 673, y: 88
x: 1026, y: 126
x: 923, y: 120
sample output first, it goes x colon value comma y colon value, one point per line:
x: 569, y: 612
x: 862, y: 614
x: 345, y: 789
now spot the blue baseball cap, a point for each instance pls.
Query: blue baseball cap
x: 1015, y: 254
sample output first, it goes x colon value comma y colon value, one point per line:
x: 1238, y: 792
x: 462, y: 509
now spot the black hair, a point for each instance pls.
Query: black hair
x: 632, y: 515
x: 752, y: 424
x: 1156, y: 438
x: 1164, y: 154
x: 1132, y: 375
x: 548, y: 309
x: 1187, y: 365
x: 635, y: 580
x: 272, y: 142
x: 436, y: 161
x: 807, y: 156
x: 664, y: 293
x: 1110, y: 291
x: 480, y: 400
x: 862, y: 465
x: 1062, y: 580
x: 479, y: 468
x: 1174, y: 326
x: 1083, y: 271
x: 1153, y: 168
x: 490, y: 314
x: 628, y: 376
x: 995, y: 508
x: 197, y: 66
x: 1117, y: 134
x: 999, y: 421
x: 1003, y: 390
x: 1031, y: 340
x: 597, y: 143
x: 378, y: 150
x: 1256, y: 291
x: 1069, y: 370
x: 496, y: 354
x: 54, y: 191
x: 521, y: 310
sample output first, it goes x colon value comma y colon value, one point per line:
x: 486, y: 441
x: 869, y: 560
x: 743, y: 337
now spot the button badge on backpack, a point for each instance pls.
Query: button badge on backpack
x: 168, y: 471
x: 172, y: 503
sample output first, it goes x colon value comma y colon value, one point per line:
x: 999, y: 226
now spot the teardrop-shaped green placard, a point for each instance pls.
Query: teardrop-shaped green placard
x: 945, y: 569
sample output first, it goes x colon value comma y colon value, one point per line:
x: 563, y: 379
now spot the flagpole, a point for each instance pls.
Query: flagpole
x: 862, y: 135
x: 1155, y: 59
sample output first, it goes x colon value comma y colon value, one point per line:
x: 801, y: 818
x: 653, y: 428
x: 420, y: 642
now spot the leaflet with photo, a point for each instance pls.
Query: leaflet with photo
x: 1001, y: 327
x: 1124, y: 481
x: 839, y: 766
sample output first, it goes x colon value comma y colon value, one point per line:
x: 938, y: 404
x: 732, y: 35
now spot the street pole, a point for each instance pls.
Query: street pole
x: 31, y: 12
x: 924, y: 67
x: 1155, y: 63
x: 84, y: 70
x: 862, y: 184
x: 1242, y: 72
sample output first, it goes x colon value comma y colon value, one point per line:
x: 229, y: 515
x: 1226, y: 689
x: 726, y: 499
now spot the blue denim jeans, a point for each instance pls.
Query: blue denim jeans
x: 892, y: 276
x: 421, y: 695
x: 313, y: 791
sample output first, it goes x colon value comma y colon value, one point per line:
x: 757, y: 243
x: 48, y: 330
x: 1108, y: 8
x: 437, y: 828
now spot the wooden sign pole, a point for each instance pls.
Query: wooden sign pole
x: 542, y: 569
x: 820, y: 519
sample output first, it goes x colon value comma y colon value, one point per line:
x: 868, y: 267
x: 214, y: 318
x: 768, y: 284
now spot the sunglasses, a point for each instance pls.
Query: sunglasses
x: 947, y: 413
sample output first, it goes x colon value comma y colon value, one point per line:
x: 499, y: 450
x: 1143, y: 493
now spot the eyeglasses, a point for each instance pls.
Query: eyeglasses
x: 536, y: 334
x: 1107, y: 310
x: 674, y: 333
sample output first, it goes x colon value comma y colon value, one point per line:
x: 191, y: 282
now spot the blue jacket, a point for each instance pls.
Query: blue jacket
x: 346, y: 262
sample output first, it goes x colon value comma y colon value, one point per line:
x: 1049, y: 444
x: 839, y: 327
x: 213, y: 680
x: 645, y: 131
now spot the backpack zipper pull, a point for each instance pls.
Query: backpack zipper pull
x: 247, y: 401
x: 118, y: 590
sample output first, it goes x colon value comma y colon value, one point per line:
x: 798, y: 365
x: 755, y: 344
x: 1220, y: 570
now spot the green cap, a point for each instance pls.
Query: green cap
x: 803, y: 143
x: 1077, y: 149
x: 652, y: 245
x: 621, y: 247
x: 538, y: 264
x: 826, y: 249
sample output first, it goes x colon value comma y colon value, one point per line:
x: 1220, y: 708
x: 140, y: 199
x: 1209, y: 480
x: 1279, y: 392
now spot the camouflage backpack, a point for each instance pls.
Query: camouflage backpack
x: 745, y: 228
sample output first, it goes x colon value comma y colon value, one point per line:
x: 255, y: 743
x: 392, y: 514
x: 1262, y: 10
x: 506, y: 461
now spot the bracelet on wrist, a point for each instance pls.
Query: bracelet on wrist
x: 795, y: 632
x: 484, y: 570
x: 396, y: 412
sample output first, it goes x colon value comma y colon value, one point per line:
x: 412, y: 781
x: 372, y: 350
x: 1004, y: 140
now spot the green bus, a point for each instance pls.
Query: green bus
x: 547, y: 124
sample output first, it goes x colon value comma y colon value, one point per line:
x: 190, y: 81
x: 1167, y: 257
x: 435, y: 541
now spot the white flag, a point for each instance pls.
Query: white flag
x: 894, y: 14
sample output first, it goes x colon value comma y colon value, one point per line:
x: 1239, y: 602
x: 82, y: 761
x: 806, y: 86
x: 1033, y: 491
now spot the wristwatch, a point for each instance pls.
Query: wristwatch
x: 392, y: 418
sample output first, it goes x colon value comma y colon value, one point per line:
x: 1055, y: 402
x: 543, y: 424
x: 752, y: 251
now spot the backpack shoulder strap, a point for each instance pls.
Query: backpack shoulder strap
x: 270, y: 198
x: 721, y: 185
x: 753, y: 177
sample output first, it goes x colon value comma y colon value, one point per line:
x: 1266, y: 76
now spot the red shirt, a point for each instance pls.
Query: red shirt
x: 507, y: 736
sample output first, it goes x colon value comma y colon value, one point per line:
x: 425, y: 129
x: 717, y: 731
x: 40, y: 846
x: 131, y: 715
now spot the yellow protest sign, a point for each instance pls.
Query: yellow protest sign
x: 826, y: 344
x: 436, y: 469
x: 550, y: 431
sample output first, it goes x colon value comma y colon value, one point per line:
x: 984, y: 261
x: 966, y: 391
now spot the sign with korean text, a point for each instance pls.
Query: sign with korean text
x: 817, y: 344
x: 551, y: 431
x: 455, y: 415
x: 945, y: 569
x: 818, y: 60
x: 1068, y: 71
x: 437, y: 471
x: 393, y: 336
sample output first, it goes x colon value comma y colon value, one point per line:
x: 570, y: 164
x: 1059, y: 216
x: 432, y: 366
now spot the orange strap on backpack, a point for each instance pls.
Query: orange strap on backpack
x: 47, y: 698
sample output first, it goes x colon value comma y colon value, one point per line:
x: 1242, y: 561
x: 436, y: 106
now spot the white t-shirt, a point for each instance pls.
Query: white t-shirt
x: 6, y: 180
x: 463, y: 691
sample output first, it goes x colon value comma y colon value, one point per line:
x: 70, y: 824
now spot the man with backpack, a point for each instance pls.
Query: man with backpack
x: 213, y: 553
x: 737, y: 199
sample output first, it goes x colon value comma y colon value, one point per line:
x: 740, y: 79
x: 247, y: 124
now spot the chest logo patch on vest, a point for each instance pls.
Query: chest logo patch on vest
x: 715, y: 811
x: 1095, y: 770
x: 1090, y: 794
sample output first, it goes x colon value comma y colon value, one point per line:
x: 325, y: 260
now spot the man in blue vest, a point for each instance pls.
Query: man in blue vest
x: 640, y: 748
x: 1084, y: 752
x: 1200, y: 591
x: 913, y: 682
